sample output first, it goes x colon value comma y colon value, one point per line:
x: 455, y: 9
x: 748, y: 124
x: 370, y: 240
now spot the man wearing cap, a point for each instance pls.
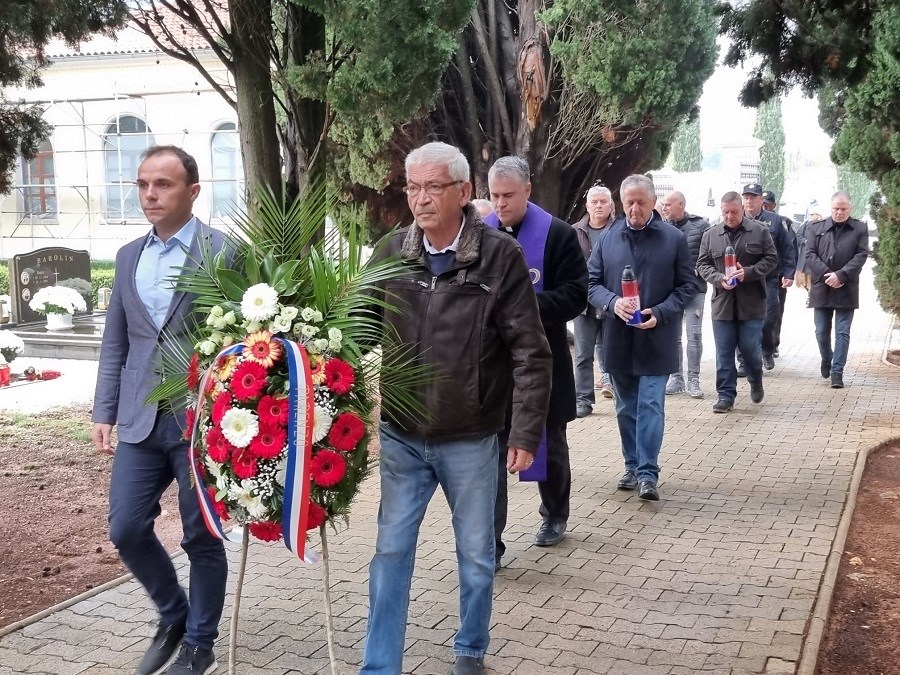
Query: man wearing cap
x: 770, y: 203
x: 782, y: 276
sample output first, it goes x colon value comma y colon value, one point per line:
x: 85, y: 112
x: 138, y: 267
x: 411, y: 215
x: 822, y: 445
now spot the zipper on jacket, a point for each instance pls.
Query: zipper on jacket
x: 486, y: 288
x: 433, y: 282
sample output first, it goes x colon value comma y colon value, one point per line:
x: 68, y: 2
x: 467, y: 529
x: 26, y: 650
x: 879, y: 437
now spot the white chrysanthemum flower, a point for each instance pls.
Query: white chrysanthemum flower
x: 230, y: 319
x: 216, y: 310
x: 219, y: 323
x: 240, y: 426
x: 335, y: 334
x: 321, y: 423
x: 334, y: 346
x: 227, y: 341
x: 252, y: 326
x: 281, y: 471
x: 214, y: 468
x: 307, y: 314
x: 321, y: 345
x: 308, y: 330
x: 211, y: 320
x: 280, y: 324
x: 289, y: 313
x: 216, y: 337
x: 260, y: 302
x: 317, y: 316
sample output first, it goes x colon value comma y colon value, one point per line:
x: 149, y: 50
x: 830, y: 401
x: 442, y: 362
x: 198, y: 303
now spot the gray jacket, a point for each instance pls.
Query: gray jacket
x: 130, y: 351
x: 757, y: 255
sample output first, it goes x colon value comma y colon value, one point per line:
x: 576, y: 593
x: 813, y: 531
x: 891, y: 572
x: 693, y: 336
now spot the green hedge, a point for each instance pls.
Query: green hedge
x: 102, y: 274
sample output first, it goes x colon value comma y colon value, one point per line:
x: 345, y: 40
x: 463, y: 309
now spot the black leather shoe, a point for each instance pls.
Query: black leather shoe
x: 648, y: 491
x: 757, y: 392
x: 550, y: 533
x: 775, y: 353
x: 825, y: 369
x: 741, y: 371
x: 722, y: 406
x: 468, y: 665
x: 837, y: 380
x: 162, y: 649
x: 193, y: 661
x: 628, y: 481
x: 768, y: 362
x: 498, y: 564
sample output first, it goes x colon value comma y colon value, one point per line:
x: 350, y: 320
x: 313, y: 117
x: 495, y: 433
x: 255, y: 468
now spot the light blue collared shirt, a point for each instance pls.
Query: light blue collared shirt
x: 158, y: 262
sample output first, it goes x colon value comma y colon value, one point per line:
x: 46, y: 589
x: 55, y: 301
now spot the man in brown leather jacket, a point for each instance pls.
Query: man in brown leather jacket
x: 466, y: 309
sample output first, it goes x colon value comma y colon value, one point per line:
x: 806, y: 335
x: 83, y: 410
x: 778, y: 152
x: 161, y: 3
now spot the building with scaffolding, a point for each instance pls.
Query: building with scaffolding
x: 107, y: 101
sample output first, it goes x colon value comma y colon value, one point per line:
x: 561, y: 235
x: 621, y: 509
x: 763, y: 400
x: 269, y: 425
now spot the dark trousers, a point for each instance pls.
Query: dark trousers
x: 729, y: 334
x: 554, y: 491
x: 141, y: 472
x: 782, y: 300
x: 773, y: 309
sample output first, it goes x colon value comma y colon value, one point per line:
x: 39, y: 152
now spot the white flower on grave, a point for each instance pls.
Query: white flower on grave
x: 289, y: 313
x: 308, y: 330
x: 243, y: 494
x: 206, y: 347
x: 280, y: 324
x: 11, y: 344
x: 260, y: 303
x: 57, y: 300
x: 321, y: 423
x: 240, y: 426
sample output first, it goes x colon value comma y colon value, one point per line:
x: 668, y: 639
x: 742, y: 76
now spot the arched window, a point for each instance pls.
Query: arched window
x: 39, y: 183
x: 227, y: 171
x: 123, y: 142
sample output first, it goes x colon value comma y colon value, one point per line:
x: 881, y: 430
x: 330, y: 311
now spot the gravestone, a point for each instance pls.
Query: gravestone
x: 52, y: 266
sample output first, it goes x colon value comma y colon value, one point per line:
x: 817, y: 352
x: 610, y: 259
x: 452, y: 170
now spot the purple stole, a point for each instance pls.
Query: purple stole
x: 532, y: 238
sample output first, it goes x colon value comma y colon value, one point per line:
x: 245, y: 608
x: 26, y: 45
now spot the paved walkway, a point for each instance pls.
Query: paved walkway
x: 720, y: 576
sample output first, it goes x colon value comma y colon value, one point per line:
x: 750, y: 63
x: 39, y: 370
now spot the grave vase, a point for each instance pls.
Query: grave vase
x: 59, y: 321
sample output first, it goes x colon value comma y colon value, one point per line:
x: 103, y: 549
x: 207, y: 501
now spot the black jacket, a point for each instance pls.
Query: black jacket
x: 693, y: 227
x: 659, y: 256
x: 836, y: 247
x: 564, y: 297
x: 785, y: 244
x: 478, y: 326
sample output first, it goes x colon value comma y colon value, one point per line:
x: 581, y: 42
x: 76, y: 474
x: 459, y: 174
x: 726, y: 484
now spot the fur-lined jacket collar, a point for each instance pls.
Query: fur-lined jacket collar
x: 469, y: 246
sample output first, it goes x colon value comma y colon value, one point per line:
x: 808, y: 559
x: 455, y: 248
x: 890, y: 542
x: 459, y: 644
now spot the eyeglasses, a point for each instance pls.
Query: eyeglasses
x: 434, y: 189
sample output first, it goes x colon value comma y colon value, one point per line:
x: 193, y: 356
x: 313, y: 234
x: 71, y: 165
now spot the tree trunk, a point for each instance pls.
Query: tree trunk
x: 304, y: 129
x: 252, y: 20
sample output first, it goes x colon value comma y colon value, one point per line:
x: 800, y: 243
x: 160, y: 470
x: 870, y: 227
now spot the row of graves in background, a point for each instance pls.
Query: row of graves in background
x: 28, y: 274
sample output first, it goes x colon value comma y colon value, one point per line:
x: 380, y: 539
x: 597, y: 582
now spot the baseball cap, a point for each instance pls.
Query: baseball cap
x: 752, y: 189
x: 768, y: 196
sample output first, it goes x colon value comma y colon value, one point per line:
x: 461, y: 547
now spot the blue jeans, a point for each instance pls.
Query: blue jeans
x: 411, y: 469
x: 588, y: 345
x: 745, y: 335
x: 141, y: 472
x: 842, y: 318
x: 693, y: 328
x: 640, y: 412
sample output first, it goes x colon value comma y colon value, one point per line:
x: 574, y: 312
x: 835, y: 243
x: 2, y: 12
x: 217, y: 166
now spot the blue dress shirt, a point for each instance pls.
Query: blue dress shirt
x: 159, y: 262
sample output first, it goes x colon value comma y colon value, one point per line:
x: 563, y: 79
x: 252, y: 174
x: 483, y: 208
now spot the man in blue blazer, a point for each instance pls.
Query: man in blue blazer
x: 151, y: 451
x: 640, y: 357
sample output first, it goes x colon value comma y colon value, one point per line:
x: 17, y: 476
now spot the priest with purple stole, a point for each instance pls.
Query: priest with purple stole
x: 559, y: 276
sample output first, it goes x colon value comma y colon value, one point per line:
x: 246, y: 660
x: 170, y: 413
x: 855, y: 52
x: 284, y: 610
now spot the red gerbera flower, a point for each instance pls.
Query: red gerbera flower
x: 260, y: 348
x: 220, y: 406
x: 346, y: 431
x: 190, y: 415
x: 339, y: 376
x: 193, y: 373
x: 273, y: 410
x: 316, y: 516
x: 218, y: 447
x: 266, y: 531
x: 327, y: 468
x: 248, y: 381
x: 269, y: 442
x: 243, y: 463
x: 219, y: 506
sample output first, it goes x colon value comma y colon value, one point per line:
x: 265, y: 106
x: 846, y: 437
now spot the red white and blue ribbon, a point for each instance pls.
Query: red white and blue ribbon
x: 295, y: 510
